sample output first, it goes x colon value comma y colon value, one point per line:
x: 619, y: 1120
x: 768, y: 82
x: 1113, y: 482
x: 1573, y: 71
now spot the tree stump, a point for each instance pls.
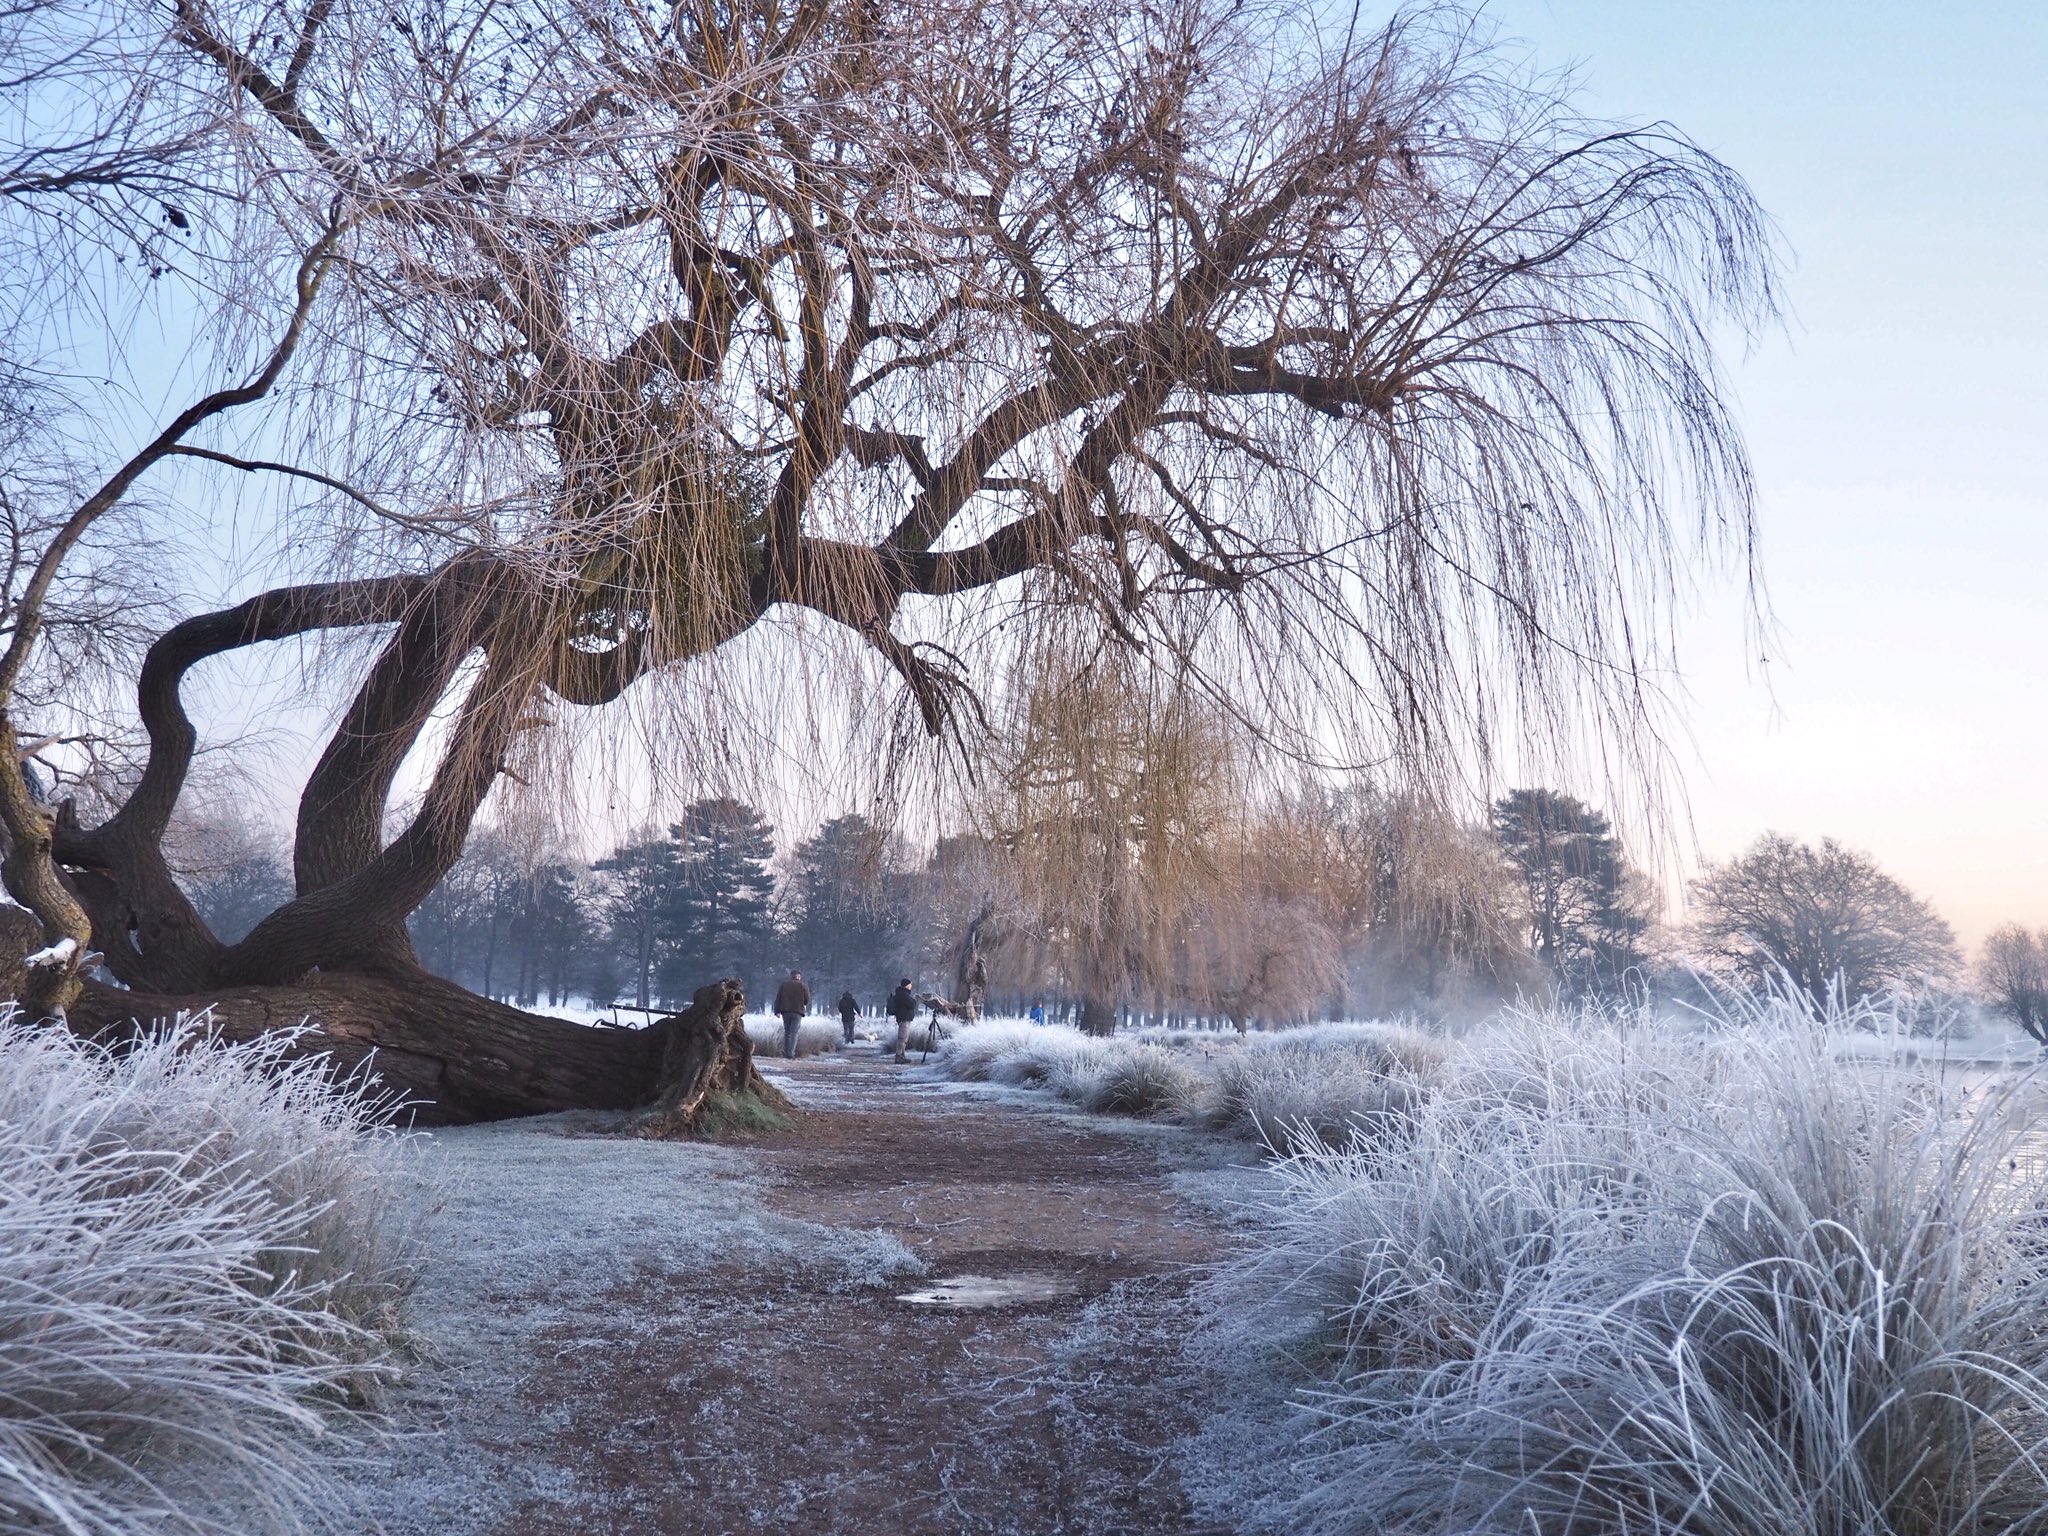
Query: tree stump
x: 702, y: 1053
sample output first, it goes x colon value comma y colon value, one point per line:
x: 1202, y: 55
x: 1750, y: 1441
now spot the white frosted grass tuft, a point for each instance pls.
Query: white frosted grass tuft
x: 970, y: 1051
x: 1329, y: 1084
x: 1295, y: 1100
x: 1143, y: 1079
x: 201, y: 1260
x: 1058, y: 1057
x: 1324, y: 1085
x: 814, y: 1037
x: 1115, y: 1076
x: 1618, y: 1279
x: 1392, y: 1047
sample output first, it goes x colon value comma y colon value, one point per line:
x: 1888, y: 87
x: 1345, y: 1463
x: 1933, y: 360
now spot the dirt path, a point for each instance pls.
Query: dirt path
x: 762, y: 1394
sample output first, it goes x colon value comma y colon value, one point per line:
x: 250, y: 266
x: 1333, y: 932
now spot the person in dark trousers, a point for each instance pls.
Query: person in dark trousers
x: 791, y: 999
x: 849, y: 1010
x: 903, y: 1008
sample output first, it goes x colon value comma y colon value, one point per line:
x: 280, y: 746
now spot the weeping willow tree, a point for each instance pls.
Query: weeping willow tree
x: 1111, y: 788
x: 1355, y: 372
x: 1146, y: 853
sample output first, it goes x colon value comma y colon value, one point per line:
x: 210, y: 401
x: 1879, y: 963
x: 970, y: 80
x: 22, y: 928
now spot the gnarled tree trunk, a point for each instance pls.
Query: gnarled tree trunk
x: 337, y: 958
x: 1098, y: 1015
x: 449, y: 1057
x: 970, y: 972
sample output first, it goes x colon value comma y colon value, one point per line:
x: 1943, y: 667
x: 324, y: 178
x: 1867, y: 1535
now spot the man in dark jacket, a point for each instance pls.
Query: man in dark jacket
x: 791, y: 999
x: 903, y: 1008
x: 849, y: 1010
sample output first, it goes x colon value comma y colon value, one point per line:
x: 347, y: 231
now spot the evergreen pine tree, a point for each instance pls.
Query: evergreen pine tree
x: 721, y: 916
x: 846, y: 912
x: 1585, y: 922
x: 643, y: 880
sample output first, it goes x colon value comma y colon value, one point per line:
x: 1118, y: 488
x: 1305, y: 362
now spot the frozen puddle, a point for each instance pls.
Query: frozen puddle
x: 964, y: 1292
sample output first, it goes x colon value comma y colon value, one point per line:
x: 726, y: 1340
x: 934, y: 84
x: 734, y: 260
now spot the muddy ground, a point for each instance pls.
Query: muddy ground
x: 634, y: 1337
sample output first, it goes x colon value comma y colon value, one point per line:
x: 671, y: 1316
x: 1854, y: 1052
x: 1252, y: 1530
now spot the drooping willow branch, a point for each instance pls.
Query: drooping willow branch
x: 1361, y: 374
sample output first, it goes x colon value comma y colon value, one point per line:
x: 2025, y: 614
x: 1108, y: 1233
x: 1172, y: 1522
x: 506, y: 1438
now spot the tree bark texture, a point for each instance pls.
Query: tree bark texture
x: 47, y: 990
x: 1098, y: 1016
x: 447, y: 1056
x: 337, y: 957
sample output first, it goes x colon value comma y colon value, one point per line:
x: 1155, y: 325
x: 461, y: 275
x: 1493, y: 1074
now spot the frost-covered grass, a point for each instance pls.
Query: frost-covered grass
x: 1610, y: 1275
x: 202, y: 1259
x: 1061, y: 1058
x: 971, y: 1052
x: 1142, y: 1079
x: 1327, y: 1084
x: 814, y: 1037
x: 1618, y: 1278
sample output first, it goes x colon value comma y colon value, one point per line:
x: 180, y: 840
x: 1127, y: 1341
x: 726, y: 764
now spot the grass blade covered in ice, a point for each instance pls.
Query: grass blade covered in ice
x: 1321, y: 1085
x: 1617, y: 1280
x: 201, y: 1259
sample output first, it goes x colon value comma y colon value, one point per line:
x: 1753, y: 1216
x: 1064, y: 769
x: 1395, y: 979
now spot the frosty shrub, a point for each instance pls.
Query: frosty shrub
x: 1620, y: 1280
x: 1387, y: 1047
x: 1126, y: 1077
x: 1141, y: 1079
x: 1331, y: 1084
x: 1057, y: 1057
x: 814, y: 1037
x: 202, y: 1258
x: 1326, y: 1085
x: 969, y: 1051
x: 1295, y: 1100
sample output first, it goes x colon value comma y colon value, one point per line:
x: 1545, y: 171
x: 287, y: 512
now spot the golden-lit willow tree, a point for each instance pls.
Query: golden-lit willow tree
x: 1356, y: 355
x: 1112, y: 788
x: 1137, y: 846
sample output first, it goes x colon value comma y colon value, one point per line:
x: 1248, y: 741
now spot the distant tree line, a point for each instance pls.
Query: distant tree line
x: 1396, y: 908
x: 660, y: 915
x: 1320, y: 903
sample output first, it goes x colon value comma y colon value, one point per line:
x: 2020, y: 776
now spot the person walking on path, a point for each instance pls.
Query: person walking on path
x: 849, y: 1010
x: 903, y: 1008
x: 792, y: 998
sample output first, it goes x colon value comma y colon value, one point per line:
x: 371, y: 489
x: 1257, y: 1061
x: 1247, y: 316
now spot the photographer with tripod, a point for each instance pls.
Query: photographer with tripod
x: 902, y: 1007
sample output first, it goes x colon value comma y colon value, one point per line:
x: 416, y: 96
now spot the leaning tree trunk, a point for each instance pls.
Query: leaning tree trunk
x: 970, y: 984
x: 338, y: 957
x: 448, y: 1057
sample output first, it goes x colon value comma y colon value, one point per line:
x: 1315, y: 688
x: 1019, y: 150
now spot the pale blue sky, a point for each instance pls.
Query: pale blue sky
x: 1899, y: 425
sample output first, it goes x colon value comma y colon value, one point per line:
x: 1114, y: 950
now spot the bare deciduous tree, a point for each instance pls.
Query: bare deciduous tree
x: 1359, y: 373
x: 1427, y: 913
x: 1822, y: 919
x: 2013, y: 971
x: 1256, y: 953
x: 106, y: 141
